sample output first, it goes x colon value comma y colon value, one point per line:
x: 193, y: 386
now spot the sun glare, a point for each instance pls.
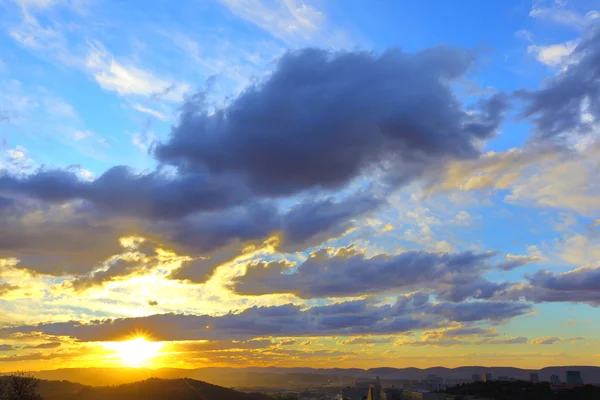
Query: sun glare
x: 137, y: 352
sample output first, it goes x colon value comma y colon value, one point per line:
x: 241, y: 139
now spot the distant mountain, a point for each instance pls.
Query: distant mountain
x: 150, y: 389
x: 297, y: 377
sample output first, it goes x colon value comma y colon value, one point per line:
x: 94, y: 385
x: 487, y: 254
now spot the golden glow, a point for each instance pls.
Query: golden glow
x: 137, y: 352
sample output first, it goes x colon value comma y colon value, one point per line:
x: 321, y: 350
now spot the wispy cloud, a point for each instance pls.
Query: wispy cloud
x: 291, y: 21
x: 559, y: 13
x: 150, y: 111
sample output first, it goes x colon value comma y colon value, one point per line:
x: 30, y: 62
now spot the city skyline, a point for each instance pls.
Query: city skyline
x: 299, y: 183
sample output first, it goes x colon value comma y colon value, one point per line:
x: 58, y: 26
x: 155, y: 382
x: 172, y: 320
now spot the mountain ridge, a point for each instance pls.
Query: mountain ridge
x: 297, y: 377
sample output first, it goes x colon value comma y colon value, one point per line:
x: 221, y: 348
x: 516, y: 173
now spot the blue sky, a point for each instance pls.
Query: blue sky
x: 89, y: 85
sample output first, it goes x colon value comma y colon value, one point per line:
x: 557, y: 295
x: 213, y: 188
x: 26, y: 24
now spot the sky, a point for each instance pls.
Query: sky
x: 299, y: 183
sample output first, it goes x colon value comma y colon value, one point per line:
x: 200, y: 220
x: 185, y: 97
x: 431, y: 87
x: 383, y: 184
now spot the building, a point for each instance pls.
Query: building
x: 421, y: 395
x: 354, y: 393
x: 363, y: 388
x: 574, y: 378
x: 374, y: 393
x: 554, y: 379
x: 391, y: 394
x: 504, y: 378
x: 487, y: 376
x: 534, y: 377
x: 476, y: 378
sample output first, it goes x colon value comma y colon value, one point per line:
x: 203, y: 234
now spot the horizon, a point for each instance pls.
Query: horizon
x: 295, y: 183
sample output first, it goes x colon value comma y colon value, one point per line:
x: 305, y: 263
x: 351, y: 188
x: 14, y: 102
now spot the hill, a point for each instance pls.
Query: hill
x: 295, y: 377
x: 150, y: 389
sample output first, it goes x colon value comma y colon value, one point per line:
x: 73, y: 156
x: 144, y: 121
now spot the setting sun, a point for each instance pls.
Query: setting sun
x: 137, y: 352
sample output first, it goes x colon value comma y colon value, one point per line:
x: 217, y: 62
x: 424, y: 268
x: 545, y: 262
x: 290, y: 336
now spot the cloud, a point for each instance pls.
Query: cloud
x: 560, y: 14
x: 46, y: 40
x: 553, y: 55
x: 150, y: 111
x: 57, y: 239
x: 49, y: 345
x: 567, y: 103
x: 579, y: 285
x: 6, y: 288
x: 6, y: 347
x: 223, y: 170
x: 131, y: 262
x: 515, y: 261
x: 392, y: 125
x: 578, y: 249
x: 144, y: 140
x: 130, y: 80
x: 365, y: 340
x: 511, y: 340
x: 201, y: 346
x: 546, y: 340
x: 349, y: 318
x: 442, y: 339
x: 287, y: 20
x: 349, y: 273
x: 532, y: 176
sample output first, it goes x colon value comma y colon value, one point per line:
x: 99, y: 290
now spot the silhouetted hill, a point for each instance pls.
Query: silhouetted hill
x: 295, y: 377
x: 150, y: 389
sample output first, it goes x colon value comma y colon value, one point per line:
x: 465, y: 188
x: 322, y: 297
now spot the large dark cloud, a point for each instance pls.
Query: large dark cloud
x: 318, y: 121
x: 350, y: 273
x: 352, y: 318
x: 322, y: 118
x: 558, y: 107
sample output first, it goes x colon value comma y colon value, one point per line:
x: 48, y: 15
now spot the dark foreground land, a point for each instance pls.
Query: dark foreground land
x: 150, y: 389
x: 524, y: 391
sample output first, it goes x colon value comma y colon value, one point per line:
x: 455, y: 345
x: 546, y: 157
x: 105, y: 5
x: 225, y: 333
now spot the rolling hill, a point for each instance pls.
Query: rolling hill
x: 294, y: 377
x: 149, y: 389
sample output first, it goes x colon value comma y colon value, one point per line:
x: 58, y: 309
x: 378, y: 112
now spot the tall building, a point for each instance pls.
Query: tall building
x: 487, y: 376
x: 476, y: 378
x: 374, y: 393
x: 534, y: 377
x: 574, y: 378
x: 554, y: 379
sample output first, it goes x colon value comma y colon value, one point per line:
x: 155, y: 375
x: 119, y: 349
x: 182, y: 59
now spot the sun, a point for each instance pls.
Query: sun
x: 136, y: 352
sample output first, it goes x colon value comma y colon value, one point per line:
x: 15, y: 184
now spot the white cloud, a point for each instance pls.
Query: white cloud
x: 150, y: 111
x: 553, y: 55
x: 130, y: 80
